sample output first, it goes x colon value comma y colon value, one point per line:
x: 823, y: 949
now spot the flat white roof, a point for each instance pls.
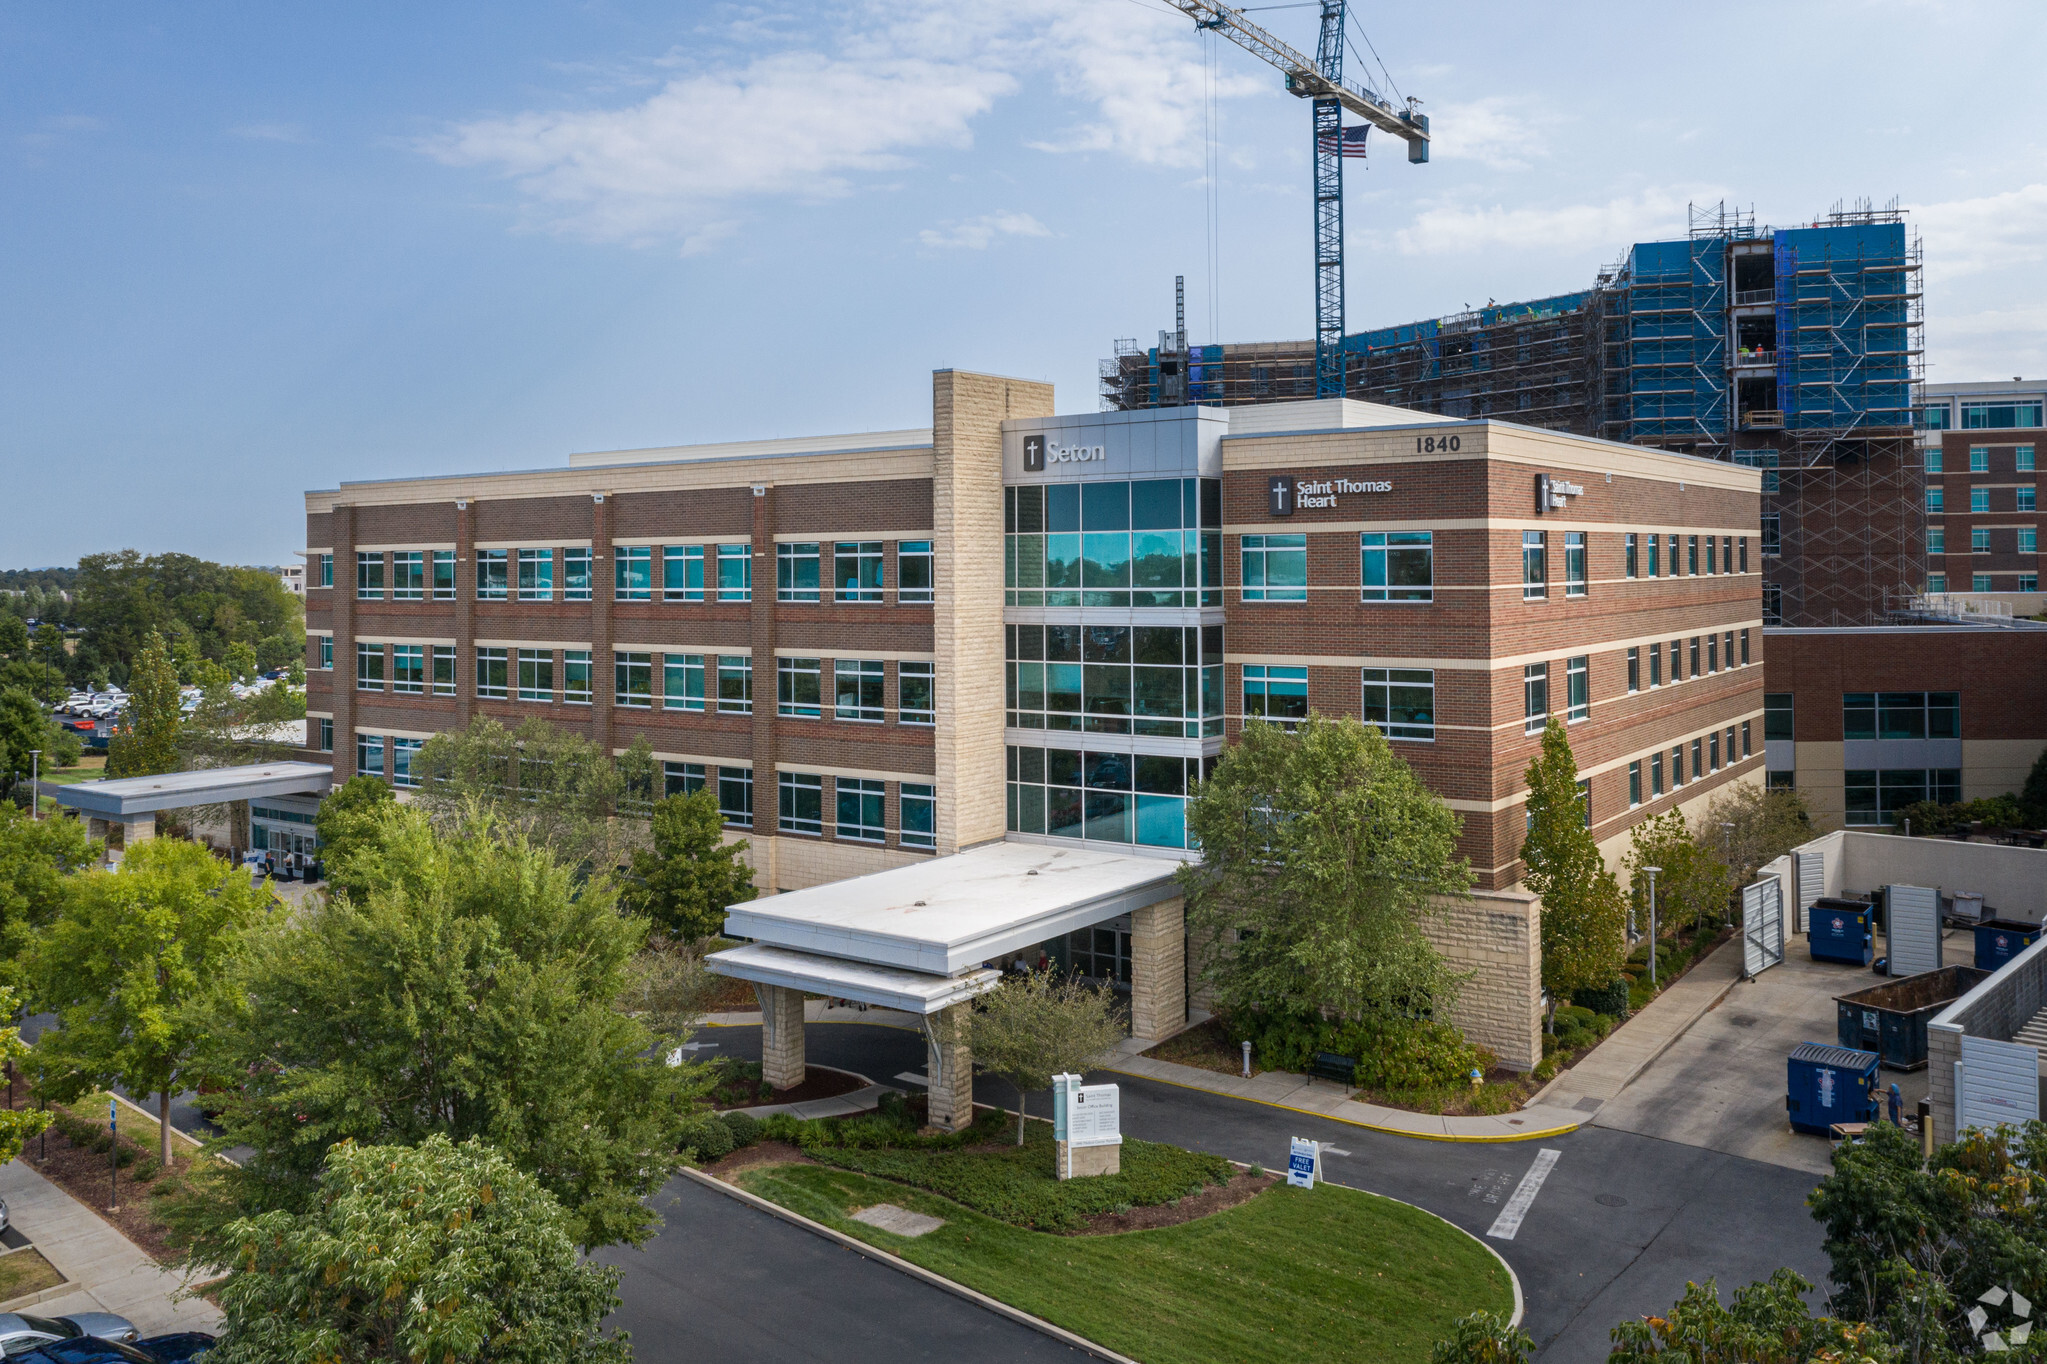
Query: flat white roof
x: 909, y: 438
x: 951, y: 914
x: 126, y: 796
x: 886, y: 986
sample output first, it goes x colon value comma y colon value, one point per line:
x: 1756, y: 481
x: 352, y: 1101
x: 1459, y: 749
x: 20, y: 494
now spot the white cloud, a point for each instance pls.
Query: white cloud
x: 1504, y: 134
x: 1996, y: 232
x: 270, y: 132
x: 807, y: 124
x: 1457, y: 229
x: 974, y: 234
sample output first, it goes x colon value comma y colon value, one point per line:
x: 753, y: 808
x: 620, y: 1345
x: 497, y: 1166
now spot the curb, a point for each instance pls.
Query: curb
x: 898, y: 1263
x: 1503, y: 1139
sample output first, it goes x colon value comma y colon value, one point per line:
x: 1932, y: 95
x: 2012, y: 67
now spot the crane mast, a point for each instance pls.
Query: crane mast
x: 1321, y: 81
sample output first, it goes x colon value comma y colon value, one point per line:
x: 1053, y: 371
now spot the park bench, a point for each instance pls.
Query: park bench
x: 1329, y: 1066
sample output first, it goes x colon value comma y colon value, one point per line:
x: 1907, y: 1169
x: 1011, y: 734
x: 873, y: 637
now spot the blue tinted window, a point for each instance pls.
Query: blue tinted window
x: 1105, y: 506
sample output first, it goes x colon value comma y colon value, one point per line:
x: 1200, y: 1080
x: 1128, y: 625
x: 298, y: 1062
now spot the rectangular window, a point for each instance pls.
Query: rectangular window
x: 856, y: 571
x: 1677, y: 660
x: 919, y: 808
x: 1936, y: 582
x: 735, y: 796
x: 735, y: 684
x: 1745, y: 750
x: 1744, y: 648
x: 1712, y: 563
x: 1979, y: 459
x: 1692, y: 556
x: 402, y: 753
x: 536, y: 575
x: 1777, y: 715
x: 682, y: 779
x: 1634, y: 670
x: 1279, y: 695
x: 408, y: 576
x: 632, y: 680
x: 2029, y: 539
x: 326, y: 570
x: 914, y: 579
x: 1979, y: 541
x: 862, y: 803
x: 2029, y: 582
x: 1534, y: 697
x: 369, y: 755
x: 1634, y: 783
x: 1936, y: 539
x: 2022, y: 459
x: 632, y: 573
x: 1698, y: 758
x: 1979, y: 499
x: 1875, y: 798
x: 1585, y: 801
x: 1534, y: 566
x: 1655, y: 564
x: 796, y: 572
x: 1677, y: 767
x: 576, y: 574
x: 798, y: 687
x: 491, y: 680
x: 1695, y: 656
x: 1727, y: 554
x: 444, y: 575
x: 1655, y: 776
x: 1933, y: 459
x: 914, y: 704
x: 1397, y: 565
x: 1275, y: 567
x: 1630, y: 550
x: 1655, y: 666
x: 1743, y: 542
x: 858, y: 685
x: 1713, y: 752
x: 682, y: 573
x: 1712, y: 653
x: 1766, y: 460
x: 2027, y: 499
x: 369, y: 667
x: 1936, y: 499
x: 492, y: 569
x: 536, y: 675
x: 1980, y: 582
x: 802, y: 803
x: 1401, y: 702
x: 1675, y: 548
x: 408, y: 669
x: 1575, y: 568
x: 327, y: 652
x: 682, y: 681
x: 326, y: 735
x: 1773, y: 604
x: 735, y: 573
x: 576, y: 677
x: 1578, y: 688
x: 369, y: 577
x: 443, y: 663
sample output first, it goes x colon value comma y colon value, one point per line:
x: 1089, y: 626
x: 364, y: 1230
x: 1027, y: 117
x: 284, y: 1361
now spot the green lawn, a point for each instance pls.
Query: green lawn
x: 1291, y: 1277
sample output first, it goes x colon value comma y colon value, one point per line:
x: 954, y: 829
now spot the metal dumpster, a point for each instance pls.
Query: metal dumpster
x: 1842, y: 930
x: 1999, y: 940
x: 1891, y: 1019
x: 1824, y: 1085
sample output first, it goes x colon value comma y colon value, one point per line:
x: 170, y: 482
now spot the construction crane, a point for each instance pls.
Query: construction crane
x: 1321, y: 80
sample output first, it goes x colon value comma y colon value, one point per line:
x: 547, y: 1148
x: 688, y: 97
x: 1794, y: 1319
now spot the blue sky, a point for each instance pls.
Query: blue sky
x: 253, y: 249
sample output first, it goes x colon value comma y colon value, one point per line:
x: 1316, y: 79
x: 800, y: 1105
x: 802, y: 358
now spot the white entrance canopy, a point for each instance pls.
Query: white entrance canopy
x: 950, y: 914
x: 126, y: 797
x: 886, y: 987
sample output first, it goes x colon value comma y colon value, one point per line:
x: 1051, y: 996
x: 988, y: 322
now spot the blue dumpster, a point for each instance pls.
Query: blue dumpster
x: 1827, y: 1084
x: 1841, y: 930
x: 1999, y: 940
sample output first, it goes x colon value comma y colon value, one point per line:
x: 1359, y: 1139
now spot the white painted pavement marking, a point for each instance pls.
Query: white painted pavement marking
x: 1509, y: 1221
x: 1329, y: 1150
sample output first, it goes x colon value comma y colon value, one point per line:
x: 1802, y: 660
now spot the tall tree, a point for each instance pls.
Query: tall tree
x: 1034, y: 1026
x: 30, y: 740
x: 471, y: 992
x: 684, y: 884
x: 1748, y: 825
x: 1321, y: 854
x: 130, y: 954
x: 1583, y: 919
x: 435, y: 1252
x: 1691, y: 880
x: 350, y: 820
x: 37, y: 860
x: 201, y: 608
x: 13, y: 636
x: 554, y: 786
x: 17, y: 1125
x: 148, y: 743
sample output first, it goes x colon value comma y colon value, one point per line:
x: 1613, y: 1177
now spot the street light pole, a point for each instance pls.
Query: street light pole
x: 1652, y: 924
x: 35, y: 777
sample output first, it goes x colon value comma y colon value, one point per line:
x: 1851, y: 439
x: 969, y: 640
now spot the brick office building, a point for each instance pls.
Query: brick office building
x: 881, y: 648
x: 1983, y: 515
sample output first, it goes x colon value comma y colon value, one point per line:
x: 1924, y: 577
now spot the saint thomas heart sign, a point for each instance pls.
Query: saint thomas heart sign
x: 1283, y: 492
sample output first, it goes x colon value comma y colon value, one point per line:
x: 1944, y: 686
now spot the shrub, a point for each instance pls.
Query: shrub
x: 704, y: 1138
x: 744, y: 1127
x: 1392, y: 1054
x: 1610, y: 999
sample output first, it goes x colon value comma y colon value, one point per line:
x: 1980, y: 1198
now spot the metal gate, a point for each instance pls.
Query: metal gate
x: 1995, y: 1082
x: 1762, y: 926
x: 1809, y: 874
x: 1912, y: 933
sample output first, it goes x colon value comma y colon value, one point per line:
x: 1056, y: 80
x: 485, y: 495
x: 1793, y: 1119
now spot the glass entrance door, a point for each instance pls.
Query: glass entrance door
x: 1102, y: 952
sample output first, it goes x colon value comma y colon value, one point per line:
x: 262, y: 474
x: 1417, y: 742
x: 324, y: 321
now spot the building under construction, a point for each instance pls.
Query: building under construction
x: 1795, y: 350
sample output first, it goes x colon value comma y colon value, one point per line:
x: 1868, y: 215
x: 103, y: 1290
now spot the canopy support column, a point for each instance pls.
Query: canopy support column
x: 949, y: 1066
x: 782, y: 1059
x: 1158, y: 970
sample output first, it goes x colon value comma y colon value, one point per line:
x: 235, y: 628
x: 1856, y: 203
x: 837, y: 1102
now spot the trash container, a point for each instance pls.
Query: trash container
x: 1825, y: 1085
x: 1999, y: 940
x: 1842, y: 930
x: 1891, y: 1018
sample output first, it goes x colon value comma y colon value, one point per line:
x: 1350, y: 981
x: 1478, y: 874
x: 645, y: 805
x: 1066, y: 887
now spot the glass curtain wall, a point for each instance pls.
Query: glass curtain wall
x: 1149, y: 543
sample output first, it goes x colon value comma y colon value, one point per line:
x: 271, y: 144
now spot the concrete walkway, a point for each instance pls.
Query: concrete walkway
x: 108, y: 1272
x: 1631, y: 1048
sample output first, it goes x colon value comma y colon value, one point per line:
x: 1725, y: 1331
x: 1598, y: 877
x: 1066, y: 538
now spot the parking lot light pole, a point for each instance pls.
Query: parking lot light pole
x: 1652, y: 924
x: 35, y: 776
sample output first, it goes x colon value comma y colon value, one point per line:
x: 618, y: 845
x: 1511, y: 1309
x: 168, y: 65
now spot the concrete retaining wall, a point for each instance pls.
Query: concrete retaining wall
x: 1497, y: 935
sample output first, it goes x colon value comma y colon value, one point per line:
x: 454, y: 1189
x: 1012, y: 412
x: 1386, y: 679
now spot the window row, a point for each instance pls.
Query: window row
x: 2026, y: 541
x: 1878, y: 797
x: 1709, y: 753
x: 1651, y: 554
x: 1979, y: 459
x: 370, y: 751
x: 1164, y: 681
x: 1901, y: 715
x: 859, y: 806
x: 2024, y: 499
x: 1400, y: 701
x: 1150, y: 543
x: 1101, y: 797
x: 1719, y: 653
x: 1985, y: 582
x: 687, y: 573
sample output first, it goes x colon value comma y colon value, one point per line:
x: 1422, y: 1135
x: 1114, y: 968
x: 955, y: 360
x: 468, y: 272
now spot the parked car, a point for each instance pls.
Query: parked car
x: 84, y: 1350
x: 19, y: 1331
x: 178, y: 1347
x: 3, y: 1214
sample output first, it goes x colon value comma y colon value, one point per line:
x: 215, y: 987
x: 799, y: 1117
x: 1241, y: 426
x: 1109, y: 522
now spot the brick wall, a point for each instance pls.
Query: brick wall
x: 1497, y: 936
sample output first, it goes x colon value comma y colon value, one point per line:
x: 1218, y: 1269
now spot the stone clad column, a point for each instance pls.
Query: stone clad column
x: 1158, y: 970
x: 949, y: 1064
x: 136, y: 830
x: 782, y: 1061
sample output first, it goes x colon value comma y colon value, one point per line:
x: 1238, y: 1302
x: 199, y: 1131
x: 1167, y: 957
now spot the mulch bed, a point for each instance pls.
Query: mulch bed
x: 1242, y: 1188
x: 760, y: 1153
x: 83, y: 1175
x: 818, y: 1083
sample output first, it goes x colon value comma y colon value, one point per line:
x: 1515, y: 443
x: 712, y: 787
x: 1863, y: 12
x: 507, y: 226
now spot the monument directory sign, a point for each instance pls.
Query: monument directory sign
x: 1086, y: 1115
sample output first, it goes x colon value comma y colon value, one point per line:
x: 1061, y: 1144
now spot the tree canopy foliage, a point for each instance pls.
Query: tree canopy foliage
x: 685, y: 882
x: 1748, y: 825
x: 200, y: 608
x: 147, y: 742
x: 557, y: 788
x: 30, y: 741
x: 1321, y: 854
x: 437, y: 1252
x: 37, y: 858
x: 1692, y: 883
x: 1583, y: 918
x: 1036, y: 1025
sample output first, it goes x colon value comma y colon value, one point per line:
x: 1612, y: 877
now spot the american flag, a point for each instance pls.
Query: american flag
x: 1352, y: 143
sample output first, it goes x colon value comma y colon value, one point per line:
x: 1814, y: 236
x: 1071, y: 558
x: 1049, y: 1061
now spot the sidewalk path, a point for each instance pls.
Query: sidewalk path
x: 110, y: 1272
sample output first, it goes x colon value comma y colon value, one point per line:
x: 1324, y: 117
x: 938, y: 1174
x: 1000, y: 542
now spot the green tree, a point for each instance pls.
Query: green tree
x: 350, y: 820
x: 1747, y: 826
x: 469, y: 991
x: 556, y: 787
x: 240, y: 660
x: 1691, y: 880
x: 49, y: 653
x: 1583, y: 929
x: 667, y: 988
x: 37, y: 859
x: 30, y: 740
x: 226, y: 730
x: 1764, y: 1323
x: 1322, y: 853
x: 13, y: 636
x: 17, y: 1125
x: 1484, y: 1338
x: 435, y: 1252
x: 200, y: 608
x: 684, y: 884
x: 1034, y: 1026
x: 129, y: 955
x: 148, y: 743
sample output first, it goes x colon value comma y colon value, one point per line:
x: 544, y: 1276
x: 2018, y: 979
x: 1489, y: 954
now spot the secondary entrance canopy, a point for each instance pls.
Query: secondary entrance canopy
x: 132, y: 802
